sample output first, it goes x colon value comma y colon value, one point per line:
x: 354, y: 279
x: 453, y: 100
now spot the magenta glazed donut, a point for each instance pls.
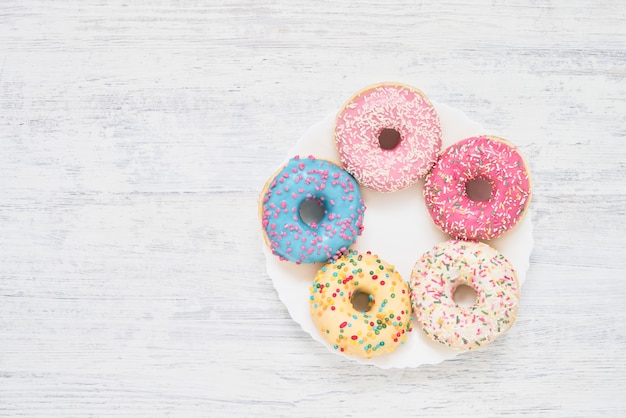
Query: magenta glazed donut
x: 388, y: 136
x: 499, y: 171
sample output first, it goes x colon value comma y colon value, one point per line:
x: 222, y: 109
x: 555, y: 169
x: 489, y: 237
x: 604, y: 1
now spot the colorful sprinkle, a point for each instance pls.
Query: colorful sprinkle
x: 376, y: 331
x: 484, y: 157
x: 472, y: 264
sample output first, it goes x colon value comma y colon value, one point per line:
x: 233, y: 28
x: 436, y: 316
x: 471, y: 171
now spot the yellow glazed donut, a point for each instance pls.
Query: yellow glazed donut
x: 441, y: 271
x: 384, y: 321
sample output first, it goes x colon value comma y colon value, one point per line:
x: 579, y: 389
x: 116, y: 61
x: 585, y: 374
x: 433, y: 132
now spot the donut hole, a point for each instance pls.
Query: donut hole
x: 389, y: 138
x: 478, y: 189
x: 362, y: 301
x: 465, y: 296
x: 312, y: 211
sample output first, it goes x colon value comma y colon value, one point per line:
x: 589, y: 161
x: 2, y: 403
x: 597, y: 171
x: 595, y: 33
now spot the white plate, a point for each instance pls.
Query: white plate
x: 399, y: 229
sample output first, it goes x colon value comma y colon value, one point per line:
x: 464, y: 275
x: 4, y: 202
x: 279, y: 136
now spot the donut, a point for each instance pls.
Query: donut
x: 328, y: 186
x: 437, y: 275
x: 505, y: 179
x: 376, y: 328
x: 388, y: 136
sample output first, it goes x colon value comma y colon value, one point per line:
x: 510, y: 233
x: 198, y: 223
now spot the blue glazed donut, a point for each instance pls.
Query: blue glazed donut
x: 310, y: 179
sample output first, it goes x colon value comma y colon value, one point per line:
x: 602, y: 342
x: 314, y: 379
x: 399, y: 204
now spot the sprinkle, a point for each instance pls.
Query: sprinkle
x: 501, y: 165
x: 471, y: 263
x: 388, y: 106
x: 341, y: 224
x: 366, y: 330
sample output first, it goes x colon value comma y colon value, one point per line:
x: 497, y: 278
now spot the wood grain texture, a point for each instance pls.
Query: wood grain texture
x: 135, y: 138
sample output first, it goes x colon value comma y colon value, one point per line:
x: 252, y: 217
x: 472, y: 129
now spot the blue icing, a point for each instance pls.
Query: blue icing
x: 303, y: 179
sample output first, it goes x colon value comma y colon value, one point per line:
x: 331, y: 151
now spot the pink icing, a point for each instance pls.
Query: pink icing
x: 487, y: 158
x: 388, y: 106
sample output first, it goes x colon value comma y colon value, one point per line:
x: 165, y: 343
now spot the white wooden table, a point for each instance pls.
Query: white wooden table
x: 135, y: 137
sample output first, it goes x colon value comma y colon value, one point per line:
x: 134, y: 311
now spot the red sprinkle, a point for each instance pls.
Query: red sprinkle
x: 343, y: 324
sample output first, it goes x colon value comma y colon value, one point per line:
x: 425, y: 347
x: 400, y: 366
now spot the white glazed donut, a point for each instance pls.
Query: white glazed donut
x: 449, y: 265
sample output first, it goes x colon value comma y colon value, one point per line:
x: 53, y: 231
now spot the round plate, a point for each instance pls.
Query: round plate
x: 399, y: 229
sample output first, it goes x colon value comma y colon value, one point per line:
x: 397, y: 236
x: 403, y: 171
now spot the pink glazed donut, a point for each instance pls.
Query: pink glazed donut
x: 488, y: 159
x: 388, y: 136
